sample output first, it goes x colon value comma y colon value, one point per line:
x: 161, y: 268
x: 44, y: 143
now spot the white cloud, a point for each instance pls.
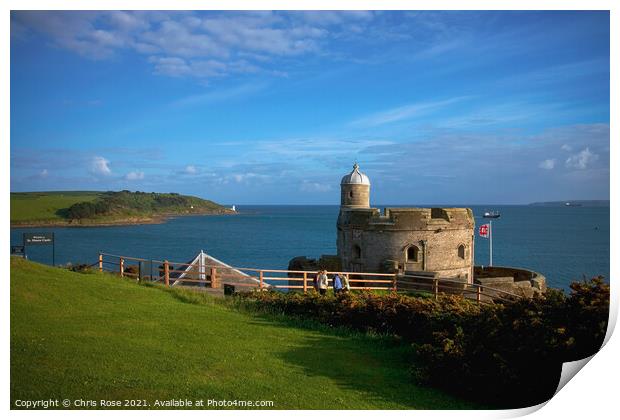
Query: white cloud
x: 307, y: 186
x: 327, y: 152
x: 127, y: 21
x: 191, y: 44
x: 100, y: 166
x: 220, y: 95
x: 177, y: 39
x: 134, y: 176
x: 334, y: 17
x: 566, y: 148
x: 190, y: 169
x: 547, y: 164
x: 43, y: 173
x: 582, y: 159
x: 171, y: 66
x: 243, y: 178
x: 260, y: 35
x: 202, y: 69
x: 404, y: 112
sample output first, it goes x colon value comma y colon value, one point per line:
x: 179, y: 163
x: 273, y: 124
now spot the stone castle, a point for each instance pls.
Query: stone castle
x: 421, y: 243
x: 403, y: 240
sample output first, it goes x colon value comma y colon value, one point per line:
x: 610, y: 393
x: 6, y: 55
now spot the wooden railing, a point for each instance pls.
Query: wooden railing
x: 453, y: 286
x: 215, y: 276
x: 304, y: 280
x: 157, y: 270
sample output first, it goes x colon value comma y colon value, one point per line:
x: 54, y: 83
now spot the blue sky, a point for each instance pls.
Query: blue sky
x: 274, y: 107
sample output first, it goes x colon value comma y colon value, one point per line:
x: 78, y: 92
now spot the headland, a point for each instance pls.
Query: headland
x: 110, y: 208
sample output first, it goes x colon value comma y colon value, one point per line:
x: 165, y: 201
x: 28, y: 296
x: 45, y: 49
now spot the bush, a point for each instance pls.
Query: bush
x: 131, y: 270
x: 80, y: 268
x: 88, y: 209
x: 509, y: 354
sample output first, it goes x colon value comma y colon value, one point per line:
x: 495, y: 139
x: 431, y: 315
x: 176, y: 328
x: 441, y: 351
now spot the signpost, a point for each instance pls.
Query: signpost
x: 46, y: 238
x: 17, y: 250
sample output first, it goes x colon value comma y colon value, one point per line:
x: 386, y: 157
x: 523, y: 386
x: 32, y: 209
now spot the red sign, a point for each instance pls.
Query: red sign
x: 484, y: 231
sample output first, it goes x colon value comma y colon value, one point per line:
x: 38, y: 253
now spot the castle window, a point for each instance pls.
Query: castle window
x: 461, y: 252
x: 350, y: 194
x: 413, y: 253
x: 357, y: 251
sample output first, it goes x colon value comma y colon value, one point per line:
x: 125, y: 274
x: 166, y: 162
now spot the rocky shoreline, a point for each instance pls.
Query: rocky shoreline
x: 151, y: 220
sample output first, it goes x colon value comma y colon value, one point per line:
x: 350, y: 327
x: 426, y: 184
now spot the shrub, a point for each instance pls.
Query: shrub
x: 80, y: 268
x: 132, y: 270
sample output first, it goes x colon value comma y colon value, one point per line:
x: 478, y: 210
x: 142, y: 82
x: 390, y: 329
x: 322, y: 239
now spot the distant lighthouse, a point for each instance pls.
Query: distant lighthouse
x: 233, y: 208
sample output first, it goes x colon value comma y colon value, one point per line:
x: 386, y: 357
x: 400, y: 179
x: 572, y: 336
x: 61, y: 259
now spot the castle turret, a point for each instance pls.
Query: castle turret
x: 355, y: 189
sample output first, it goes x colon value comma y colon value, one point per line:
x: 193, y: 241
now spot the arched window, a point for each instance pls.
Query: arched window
x: 461, y: 252
x: 413, y: 253
x: 357, y: 251
x: 350, y: 194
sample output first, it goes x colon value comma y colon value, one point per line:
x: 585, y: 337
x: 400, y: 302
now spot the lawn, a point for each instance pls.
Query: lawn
x: 97, y: 336
x: 43, y: 206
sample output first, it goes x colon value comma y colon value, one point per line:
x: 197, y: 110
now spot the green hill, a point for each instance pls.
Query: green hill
x: 100, y: 208
x: 97, y: 336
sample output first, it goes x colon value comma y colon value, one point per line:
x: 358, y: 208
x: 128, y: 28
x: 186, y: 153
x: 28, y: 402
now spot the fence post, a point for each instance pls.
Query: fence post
x: 260, y: 276
x: 394, y: 283
x: 100, y: 263
x: 214, y: 284
x: 478, y: 294
x: 166, y: 274
x: 121, y: 266
x: 305, y: 282
x: 436, y: 287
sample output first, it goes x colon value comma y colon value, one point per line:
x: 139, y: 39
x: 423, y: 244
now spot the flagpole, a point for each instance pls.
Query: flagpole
x: 491, y: 243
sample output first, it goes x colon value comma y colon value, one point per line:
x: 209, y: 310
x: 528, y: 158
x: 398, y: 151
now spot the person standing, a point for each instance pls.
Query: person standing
x: 323, y: 282
x: 345, y: 283
x: 337, y: 285
x: 315, y: 280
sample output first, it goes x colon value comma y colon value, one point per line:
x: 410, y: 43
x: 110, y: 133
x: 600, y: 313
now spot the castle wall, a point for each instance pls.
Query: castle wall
x: 367, y: 239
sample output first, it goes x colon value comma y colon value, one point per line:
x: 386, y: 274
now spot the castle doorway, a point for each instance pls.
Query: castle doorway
x: 414, y: 258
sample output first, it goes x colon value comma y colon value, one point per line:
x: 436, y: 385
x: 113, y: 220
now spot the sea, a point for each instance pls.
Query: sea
x: 561, y: 242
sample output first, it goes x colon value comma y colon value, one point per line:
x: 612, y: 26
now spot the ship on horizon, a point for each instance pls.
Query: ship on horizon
x: 491, y: 214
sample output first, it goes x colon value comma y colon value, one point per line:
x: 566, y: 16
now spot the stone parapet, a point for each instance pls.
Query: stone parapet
x: 519, y: 281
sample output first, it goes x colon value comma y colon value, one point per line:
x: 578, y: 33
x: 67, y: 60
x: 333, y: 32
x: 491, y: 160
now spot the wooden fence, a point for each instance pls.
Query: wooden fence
x: 216, y: 276
x: 164, y: 271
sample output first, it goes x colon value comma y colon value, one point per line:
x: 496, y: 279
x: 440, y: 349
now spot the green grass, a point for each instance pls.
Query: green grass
x: 44, y: 206
x: 96, y: 336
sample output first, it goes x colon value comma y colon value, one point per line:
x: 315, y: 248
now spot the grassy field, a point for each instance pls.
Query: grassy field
x: 96, y: 336
x: 43, y: 206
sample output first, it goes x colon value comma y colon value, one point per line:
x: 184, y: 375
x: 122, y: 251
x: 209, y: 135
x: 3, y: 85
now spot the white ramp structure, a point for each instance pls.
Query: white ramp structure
x: 198, y: 273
